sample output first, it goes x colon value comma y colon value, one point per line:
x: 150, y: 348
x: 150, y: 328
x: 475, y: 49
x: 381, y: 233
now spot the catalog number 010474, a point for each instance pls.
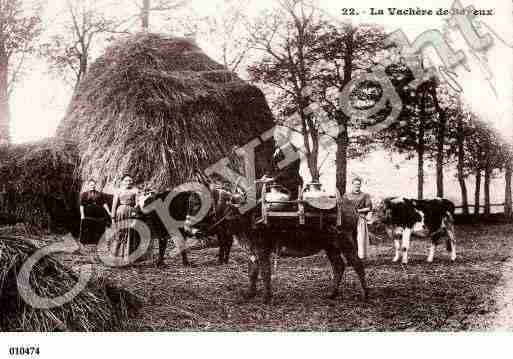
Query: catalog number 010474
x: 24, y: 351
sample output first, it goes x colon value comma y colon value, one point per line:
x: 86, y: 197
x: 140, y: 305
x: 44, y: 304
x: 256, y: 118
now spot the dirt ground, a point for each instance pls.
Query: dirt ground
x: 474, y: 293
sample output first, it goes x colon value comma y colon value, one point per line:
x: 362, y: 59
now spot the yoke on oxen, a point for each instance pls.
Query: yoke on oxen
x: 312, y: 208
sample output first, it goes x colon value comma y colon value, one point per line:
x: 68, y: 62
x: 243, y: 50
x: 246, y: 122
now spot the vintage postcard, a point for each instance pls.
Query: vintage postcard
x: 325, y: 167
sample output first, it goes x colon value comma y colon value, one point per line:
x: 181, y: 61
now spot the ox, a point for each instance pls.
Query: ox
x: 431, y: 219
x: 260, y: 242
x: 183, y: 204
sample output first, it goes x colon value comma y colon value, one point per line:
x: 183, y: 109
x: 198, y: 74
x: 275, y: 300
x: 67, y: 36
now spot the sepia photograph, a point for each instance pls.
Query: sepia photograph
x: 278, y: 166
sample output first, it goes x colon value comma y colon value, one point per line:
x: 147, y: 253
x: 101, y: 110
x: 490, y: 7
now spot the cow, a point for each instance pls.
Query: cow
x: 181, y: 208
x: 431, y: 219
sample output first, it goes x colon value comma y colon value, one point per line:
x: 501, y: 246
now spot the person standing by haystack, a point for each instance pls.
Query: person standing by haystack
x: 123, y: 208
x: 94, y: 212
x: 363, y: 205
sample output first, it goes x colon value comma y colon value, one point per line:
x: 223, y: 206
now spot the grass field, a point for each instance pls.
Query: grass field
x: 441, y: 296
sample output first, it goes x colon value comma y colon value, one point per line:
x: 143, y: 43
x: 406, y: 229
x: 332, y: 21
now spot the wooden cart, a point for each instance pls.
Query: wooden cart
x: 298, y: 212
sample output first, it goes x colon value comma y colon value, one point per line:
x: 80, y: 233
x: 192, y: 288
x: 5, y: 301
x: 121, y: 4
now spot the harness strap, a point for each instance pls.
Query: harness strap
x: 221, y: 220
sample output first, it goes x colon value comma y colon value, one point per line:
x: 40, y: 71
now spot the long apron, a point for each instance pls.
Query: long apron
x: 362, y: 238
x: 121, y: 243
x: 359, y: 201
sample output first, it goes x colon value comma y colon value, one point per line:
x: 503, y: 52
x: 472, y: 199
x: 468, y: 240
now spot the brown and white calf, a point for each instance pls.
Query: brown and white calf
x: 404, y: 217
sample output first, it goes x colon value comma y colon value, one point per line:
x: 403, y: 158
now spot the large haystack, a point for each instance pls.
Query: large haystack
x: 38, y: 184
x: 159, y: 108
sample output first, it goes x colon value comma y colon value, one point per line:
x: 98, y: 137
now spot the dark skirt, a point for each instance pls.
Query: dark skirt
x: 92, y: 227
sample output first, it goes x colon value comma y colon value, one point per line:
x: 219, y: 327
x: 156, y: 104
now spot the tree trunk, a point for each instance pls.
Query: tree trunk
x: 487, y: 179
x: 82, y: 69
x: 508, y: 210
x: 421, y: 146
x: 145, y: 15
x: 440, y: 156
x: 343, y: 120
x: 420, y: 154
x: 460, y: 166
x: 477, y: 192
x: 4, y: 102
x: 83, y: 66
x: 420, y: 172
x: 341, y: 158
x: 464, y: 193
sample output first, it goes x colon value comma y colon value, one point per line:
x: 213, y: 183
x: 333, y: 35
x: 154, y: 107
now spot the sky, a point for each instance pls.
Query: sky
x: 40, y: 99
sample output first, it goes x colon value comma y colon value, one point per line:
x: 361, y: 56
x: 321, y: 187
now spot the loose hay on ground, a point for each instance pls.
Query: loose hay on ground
x: 99, y: 307
x: 420, y: 297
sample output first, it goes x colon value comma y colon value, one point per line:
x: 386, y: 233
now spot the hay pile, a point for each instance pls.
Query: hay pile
x: 38, y: 185
x: 159, y: 108
x: 100, y: 307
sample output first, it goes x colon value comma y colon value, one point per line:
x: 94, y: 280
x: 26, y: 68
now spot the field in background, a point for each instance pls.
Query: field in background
x: 420, y: 297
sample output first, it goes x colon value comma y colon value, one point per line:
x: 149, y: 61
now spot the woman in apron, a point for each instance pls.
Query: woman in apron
x: 363, y: 205
x: 123, y: 208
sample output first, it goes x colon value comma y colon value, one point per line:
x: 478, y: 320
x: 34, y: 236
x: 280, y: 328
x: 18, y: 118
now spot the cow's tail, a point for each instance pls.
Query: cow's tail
x: 449, y: 227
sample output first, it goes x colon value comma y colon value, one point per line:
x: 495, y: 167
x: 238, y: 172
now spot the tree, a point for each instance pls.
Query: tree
x: 508, y: 208
x: 19, y: 29
x: 474, y: 149
x: 146, y: 7
x: 495, y: 158
x: 287, y: 38
x: 85, y: 27
x: 504, y: 161
x: 426, y: 91
x: 478, y: 151
x: 450, y: 128
x: 485, y: 152
x: 462, y: 120
x: 443, y: 114
x: 226, y: 30
x: 411, y: 132
x: 451, y: 133
x: 309, y: 61
x: 343, y: 49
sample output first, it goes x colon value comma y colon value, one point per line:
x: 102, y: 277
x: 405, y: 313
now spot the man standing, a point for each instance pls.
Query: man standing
x: 363, y: 205
x: 288, y: 176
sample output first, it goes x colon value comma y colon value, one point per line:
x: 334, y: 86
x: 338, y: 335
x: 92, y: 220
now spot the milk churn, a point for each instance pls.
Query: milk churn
x: 277, y: 193
x: 315, y: 196
x: 313, y: 190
